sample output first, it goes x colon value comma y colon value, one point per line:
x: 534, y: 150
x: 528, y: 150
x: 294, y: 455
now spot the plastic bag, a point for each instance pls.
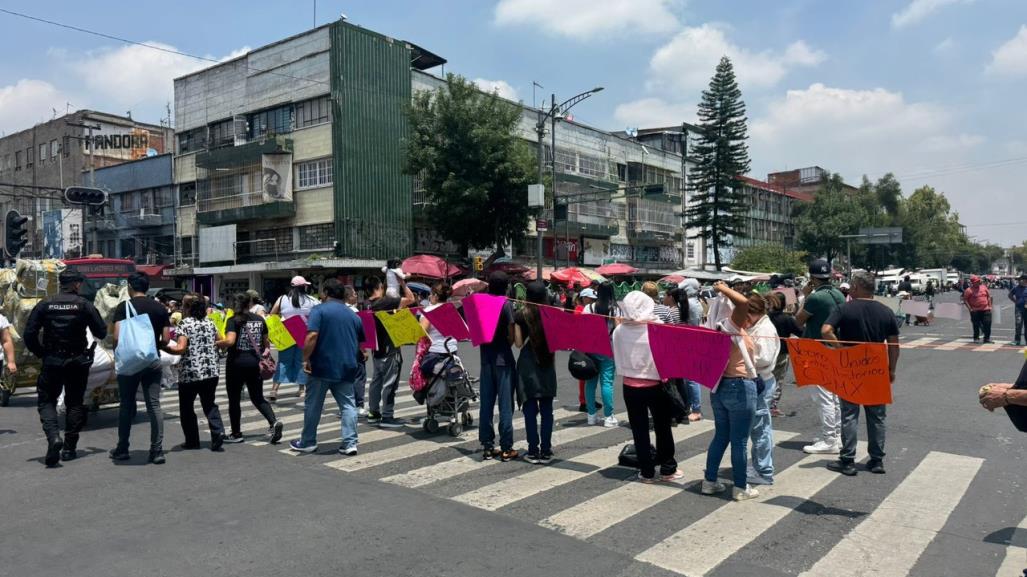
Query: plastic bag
x: 137, y: 346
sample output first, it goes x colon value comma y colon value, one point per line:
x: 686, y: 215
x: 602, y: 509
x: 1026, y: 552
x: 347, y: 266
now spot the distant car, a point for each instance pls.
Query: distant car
x: 166, y: 294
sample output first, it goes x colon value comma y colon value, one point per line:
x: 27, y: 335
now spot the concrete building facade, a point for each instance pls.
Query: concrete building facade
x: 138, y: 222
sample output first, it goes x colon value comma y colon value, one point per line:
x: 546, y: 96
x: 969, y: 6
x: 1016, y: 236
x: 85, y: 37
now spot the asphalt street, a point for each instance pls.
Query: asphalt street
x: 953, y: 502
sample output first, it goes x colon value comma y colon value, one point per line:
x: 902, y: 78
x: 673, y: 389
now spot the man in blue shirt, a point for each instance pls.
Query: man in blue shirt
x: 330, y: 356
x: 1019, y: 297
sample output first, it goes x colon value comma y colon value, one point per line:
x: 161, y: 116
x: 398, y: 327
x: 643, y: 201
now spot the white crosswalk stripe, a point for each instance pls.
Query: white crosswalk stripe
x: 919, y: 342
x: 891, y: 539
x: 953, y: 345
x: 1016, y: 556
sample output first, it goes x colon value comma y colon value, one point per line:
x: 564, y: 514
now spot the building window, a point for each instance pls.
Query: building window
x: 317, y: 236
x: 163, y: 197
x: 622, y: 172
x: 274, y: 121
x: 691, y: 251
x: 592, y: 166
x: 128, y: 248
x: 130, y: 202
x: 314, y: 173
x: 185, y: 247
x: 28, y: 157
x: 187, y: 194
x: 222, y: 134
x: 17, y: 160
x: 192, y: 140
x: 54, y: 149
x: 42, y: 152
x: 313, y: 112
x: 282, y: 244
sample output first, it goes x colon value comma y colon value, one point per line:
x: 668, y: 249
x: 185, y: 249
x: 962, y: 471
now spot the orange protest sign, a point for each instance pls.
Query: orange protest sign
x: 858, y: 374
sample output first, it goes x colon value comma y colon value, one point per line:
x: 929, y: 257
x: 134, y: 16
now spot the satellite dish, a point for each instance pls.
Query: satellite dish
x: 151, y: 152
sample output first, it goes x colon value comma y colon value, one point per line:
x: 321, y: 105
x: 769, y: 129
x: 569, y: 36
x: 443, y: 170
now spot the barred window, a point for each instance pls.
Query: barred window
x: 317, y: 236
x: 185, y: 246
x: 282, y: 241
x: 274, y: 121
x: 313, y: 112
x: 314, y: 173
x: 187, y: 194
x: 222, y: 133
x: 192, y: 140
x: 592, y: 166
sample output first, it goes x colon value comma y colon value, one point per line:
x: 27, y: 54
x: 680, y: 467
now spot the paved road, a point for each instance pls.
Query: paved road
x: 953, y: 501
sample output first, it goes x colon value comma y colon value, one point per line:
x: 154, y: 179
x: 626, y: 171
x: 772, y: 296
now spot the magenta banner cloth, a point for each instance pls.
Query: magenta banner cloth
x: 566, y: 331
x: 482, y: 312
x: 447, y: 320
x: 297, y: 327
x: 691, y: 353
x: 370, y: 330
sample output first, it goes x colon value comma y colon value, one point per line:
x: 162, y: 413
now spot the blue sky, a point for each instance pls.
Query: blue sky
x: 930, y: 90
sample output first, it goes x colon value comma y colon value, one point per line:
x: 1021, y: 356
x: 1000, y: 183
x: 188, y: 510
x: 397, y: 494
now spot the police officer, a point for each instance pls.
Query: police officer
x: 63, y: 320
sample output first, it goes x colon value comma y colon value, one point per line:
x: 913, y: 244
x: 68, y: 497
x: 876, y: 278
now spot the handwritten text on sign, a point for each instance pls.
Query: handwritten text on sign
x: 858, y: 374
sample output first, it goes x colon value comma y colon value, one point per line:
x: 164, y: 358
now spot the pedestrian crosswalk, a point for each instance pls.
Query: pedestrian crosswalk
x: 956, y: 344
x: 585, y: 495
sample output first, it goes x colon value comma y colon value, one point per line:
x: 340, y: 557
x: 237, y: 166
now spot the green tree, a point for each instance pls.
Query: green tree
x: 832, y: 213
x: 474, y: 167
x: 770, y: 258
x: 718, y: 206
x: 932, y: 233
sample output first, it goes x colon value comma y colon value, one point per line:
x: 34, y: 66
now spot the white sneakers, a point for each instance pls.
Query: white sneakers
x: 745, y: 494
x: 593, y: 419
x: 824, y: 447
x: 610, y: 422
x: 361, y: 412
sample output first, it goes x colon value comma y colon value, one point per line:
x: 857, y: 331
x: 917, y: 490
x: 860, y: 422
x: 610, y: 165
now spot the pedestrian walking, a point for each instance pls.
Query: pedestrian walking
x: 536, y: 372
x: 331, y: 356
x: 977, y: 299
x: 257, y: 307
x: 62, y: 320
x: 863, y: 320
x: 246, y: 338
x: 1018, y: 294
x: 764, y: 334
x: 643, y: 391
x: 821, y: 301
x: 148, y: 379
x: 360, y: 379
x: 196, y: 340
x: 498, y: 370
x: 296, y: 303
x: 603, y: 305
x: 734, y: 398
x: 388, y: 361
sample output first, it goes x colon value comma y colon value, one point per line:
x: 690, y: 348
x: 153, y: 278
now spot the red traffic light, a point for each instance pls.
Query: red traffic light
x: 85, y: 195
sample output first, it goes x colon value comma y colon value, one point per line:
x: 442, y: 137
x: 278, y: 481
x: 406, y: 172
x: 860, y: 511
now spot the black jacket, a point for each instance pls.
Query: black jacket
x: 63, y: 320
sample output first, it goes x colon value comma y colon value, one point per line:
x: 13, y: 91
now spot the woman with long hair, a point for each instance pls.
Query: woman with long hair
x: 196, y: 339
x: 296, y: 303
x: 498, y: 370
x: 246, y: 338
x: 439, y: 296
x: 536, y: 371
x: 604, y: 305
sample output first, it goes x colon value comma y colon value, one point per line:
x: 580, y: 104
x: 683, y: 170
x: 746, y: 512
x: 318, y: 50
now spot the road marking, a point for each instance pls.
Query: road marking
x: 496, y: 495
x: 414, y: 448
x: 953, y: 345
x: 471, y: 463
x: 988, y: 348
x: 706, y: 543
x: 918, y: 343
x: 598, y: 514
x: 334, y: 424
x: 1016, y: 556
x: 891, y: 539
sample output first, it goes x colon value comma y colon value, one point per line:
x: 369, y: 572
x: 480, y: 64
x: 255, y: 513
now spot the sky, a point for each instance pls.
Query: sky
x: 929, y: 90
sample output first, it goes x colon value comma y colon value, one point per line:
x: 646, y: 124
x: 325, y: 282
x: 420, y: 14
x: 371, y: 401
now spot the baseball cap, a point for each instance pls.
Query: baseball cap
x: 588, y: 294
x: 975, y: 278
x: 253, y: 294
x: 820, y: 268
x: 70, y: 276
x: 299, y: 281
x: 845, y: 285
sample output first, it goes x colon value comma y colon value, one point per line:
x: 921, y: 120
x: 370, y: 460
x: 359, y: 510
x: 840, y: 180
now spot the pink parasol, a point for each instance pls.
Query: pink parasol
x: 616, y: 269
x: 467, y: 285
x: 430, y: 266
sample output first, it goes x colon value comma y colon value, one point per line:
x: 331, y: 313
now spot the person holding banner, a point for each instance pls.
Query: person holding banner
x: 734, y: 398
x: 497, y: 374
x: 297, y: 303
x: 388, y: 361
x: 643, y: 393
x: 536, y: 372
x: 864, y: 320
x: 604, y: 305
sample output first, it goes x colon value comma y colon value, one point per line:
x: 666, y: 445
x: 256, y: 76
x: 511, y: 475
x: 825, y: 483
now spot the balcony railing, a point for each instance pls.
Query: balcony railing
x: 654, y: 219
x: 143, y: 219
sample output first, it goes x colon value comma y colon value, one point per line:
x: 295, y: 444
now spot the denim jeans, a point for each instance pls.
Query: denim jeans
x: 290, y: 366
x: 496, y: 385
x: 605, y: 378
x: 694, y: 396
x: 534, y: 408
x: 314, y: 403
x: 762, y: 434
x: 149, y: 380
x: 850, y: 430
x: 385, y: 382
x: 734, y: 404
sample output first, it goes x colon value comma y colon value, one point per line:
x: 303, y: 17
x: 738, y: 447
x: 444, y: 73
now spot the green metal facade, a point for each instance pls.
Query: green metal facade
x: 371, y: 92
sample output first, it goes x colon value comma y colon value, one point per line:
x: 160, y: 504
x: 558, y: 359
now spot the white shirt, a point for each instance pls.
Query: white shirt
x: 631, y: 352
x: 768, y: 346
x: 307, y: 304
x: 438, y: 342
x: 720, y: 309
x: 4, y: 323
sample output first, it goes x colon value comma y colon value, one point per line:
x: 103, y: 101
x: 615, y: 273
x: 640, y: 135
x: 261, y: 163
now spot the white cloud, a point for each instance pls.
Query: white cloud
x: 687, y: 62
x: 652, y: 112
x: 27, y: 102
x: 918, y: 10
x: 500, y: 87
x: 588, y: 19
x: 945, y: 46
x: 1010, y: 59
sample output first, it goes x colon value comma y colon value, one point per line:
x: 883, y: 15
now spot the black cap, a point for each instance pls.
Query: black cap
x: 820, y: 268
x: 70, y: 276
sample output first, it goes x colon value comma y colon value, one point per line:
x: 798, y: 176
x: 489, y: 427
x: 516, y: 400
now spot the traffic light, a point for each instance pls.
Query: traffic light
x: 479, y: 264
x: 14, y: 240
x: 85, y: 195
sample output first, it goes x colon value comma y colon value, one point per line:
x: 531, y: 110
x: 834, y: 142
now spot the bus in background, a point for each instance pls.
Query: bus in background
x: 99, y: 272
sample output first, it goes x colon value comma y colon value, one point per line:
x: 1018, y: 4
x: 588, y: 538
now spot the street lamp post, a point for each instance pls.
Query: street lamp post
x: 540, y: 131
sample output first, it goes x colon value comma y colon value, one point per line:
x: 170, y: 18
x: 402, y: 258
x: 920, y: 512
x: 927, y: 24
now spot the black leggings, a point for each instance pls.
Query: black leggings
x: 235, y: 378
x: 641, y: 402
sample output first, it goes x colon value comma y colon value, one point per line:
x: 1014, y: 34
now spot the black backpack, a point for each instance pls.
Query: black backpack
x: 582, y: 366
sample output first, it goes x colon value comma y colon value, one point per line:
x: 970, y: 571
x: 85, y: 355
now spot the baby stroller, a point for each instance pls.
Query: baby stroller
x: 448, y: 394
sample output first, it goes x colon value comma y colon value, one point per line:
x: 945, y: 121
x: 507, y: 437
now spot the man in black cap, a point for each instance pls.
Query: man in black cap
x: 63, y: 319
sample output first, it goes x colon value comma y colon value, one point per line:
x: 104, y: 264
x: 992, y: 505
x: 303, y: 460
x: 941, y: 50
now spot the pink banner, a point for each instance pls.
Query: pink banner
x: 370, y: 330
x: 482, y: 313
x: 691, y: 353
x: 447, y: 320
x: 297, y: 327
x: 567, y: 331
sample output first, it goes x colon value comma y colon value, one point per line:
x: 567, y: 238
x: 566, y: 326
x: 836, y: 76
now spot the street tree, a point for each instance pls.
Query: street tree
x: 933, y: 235
x: 770, y: 258
x: 833, y: 212
x: 473, y: 166
x: 718, y: 206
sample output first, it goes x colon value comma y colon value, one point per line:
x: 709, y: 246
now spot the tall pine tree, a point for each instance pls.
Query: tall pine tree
x: 718, y: 206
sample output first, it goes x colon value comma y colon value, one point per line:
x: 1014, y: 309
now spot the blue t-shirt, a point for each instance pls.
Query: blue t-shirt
x: 1019, y: 295
x: 339, y: 330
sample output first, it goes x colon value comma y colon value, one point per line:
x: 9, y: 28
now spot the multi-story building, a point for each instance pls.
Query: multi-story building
x: 138, y: 222
x: 769, y: 218
x: 803, y: 181
x: 39, y: 162
x: 289, y: 159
